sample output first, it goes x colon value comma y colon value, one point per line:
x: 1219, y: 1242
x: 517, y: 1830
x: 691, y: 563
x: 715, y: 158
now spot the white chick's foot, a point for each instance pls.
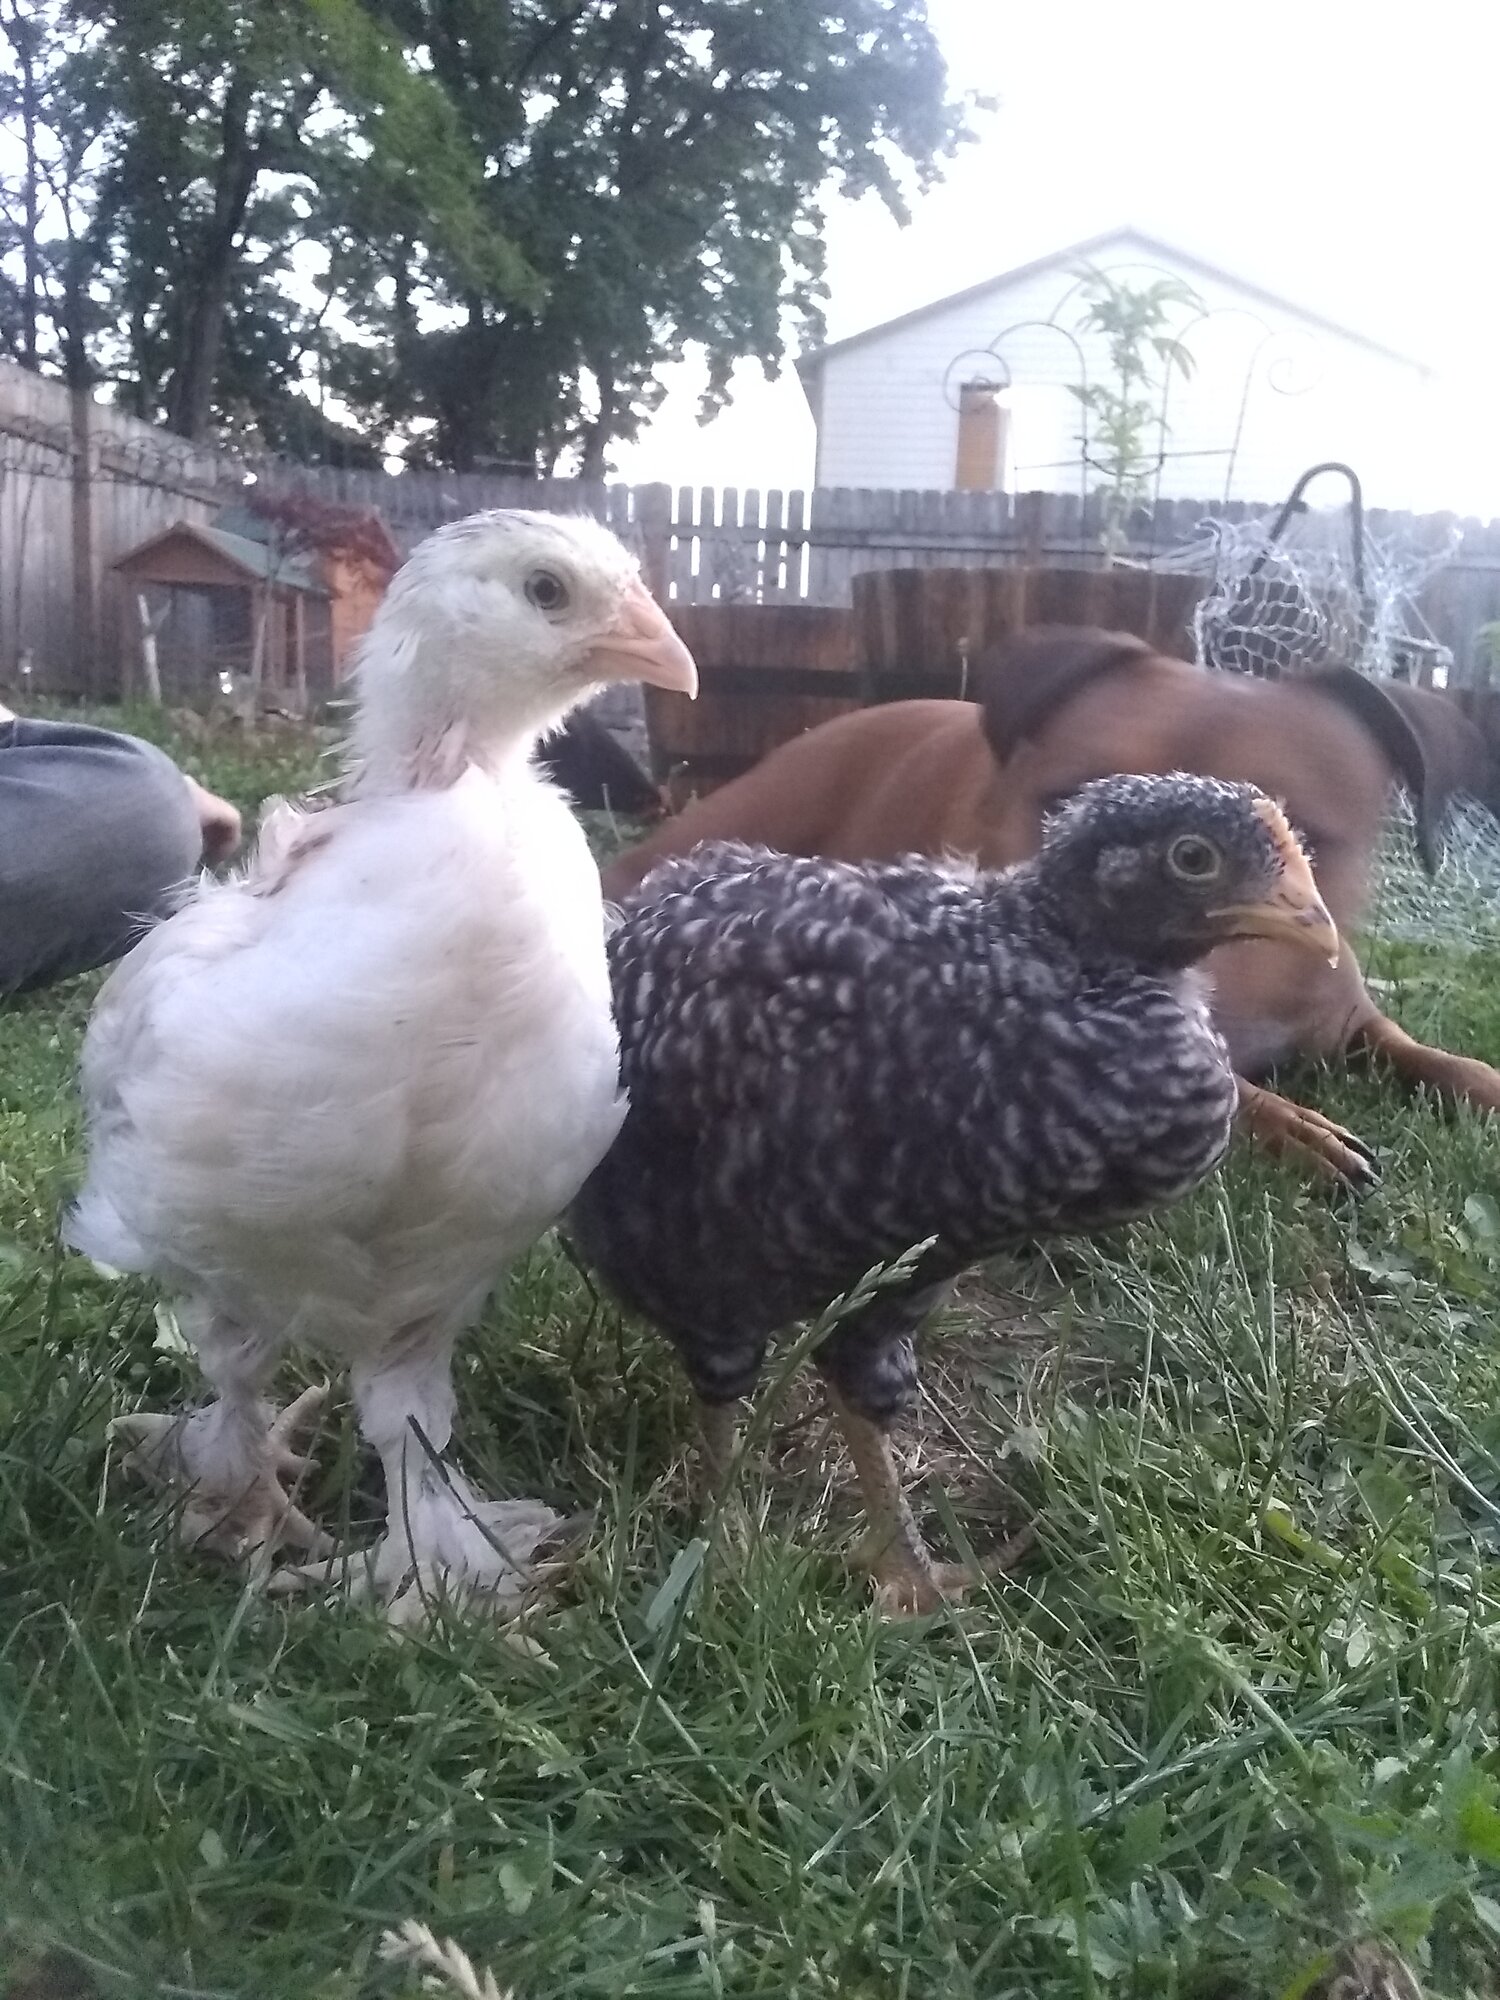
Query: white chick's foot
x: 450, y: 1549
x: 229, y: 1470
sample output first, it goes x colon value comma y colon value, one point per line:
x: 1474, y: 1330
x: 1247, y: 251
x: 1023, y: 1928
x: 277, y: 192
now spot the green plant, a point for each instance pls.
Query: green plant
x: 1124, y: 412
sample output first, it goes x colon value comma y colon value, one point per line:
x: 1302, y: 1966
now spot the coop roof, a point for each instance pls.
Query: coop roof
x: 244, y: 560
x: 1074, y: 254
x: 374, y: 528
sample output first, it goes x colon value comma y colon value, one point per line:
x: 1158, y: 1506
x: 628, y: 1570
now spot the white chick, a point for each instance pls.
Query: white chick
x: 329, y: 1101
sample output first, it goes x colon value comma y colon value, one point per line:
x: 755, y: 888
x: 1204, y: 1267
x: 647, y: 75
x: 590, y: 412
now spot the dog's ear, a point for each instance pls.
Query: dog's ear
x: 1463, y: 758
x: 1023, y: 682
x: 1422, y: 752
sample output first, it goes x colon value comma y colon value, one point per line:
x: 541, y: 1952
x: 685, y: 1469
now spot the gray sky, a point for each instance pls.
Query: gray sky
x: 1337, y: 153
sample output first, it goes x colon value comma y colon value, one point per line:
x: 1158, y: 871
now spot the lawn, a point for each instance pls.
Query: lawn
x: 1237, y: 1710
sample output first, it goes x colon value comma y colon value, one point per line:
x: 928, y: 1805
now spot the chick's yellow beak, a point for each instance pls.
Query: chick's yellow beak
x: 1292, y: 912
x: 641, y: 646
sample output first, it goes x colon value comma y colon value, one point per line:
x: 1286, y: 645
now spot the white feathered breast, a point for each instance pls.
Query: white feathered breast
x: 338, y: 1095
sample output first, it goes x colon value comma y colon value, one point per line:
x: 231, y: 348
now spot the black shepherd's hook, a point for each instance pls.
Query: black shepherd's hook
x: 1294, y: 503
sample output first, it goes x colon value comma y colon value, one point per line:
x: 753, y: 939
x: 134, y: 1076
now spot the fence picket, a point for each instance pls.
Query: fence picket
x: 796, y: 548
x: 772, y: 589
x: 684, y: 548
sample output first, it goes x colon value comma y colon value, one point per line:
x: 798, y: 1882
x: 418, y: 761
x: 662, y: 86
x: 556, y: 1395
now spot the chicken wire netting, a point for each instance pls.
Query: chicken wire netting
x: 1459, y: 909
x: 1280, y: 605
x: 1288, y: 595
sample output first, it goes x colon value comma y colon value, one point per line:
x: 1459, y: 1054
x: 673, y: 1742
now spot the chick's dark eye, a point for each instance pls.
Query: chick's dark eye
x: 1194, y: 859
x: 547, y: 591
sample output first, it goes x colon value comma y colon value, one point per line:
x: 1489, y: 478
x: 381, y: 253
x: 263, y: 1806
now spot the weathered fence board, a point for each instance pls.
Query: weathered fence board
x: 767, y: 672
x: 79, y: 485
x: 917, y: 631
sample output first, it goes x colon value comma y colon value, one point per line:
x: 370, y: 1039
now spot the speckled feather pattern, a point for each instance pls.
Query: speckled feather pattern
x: 829, y: 1063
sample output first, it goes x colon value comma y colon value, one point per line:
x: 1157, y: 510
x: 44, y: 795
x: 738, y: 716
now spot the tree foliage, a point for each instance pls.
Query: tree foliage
x: 481, y: 227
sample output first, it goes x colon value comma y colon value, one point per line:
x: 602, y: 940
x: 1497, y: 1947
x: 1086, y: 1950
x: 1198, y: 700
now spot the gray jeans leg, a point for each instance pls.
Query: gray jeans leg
x: 96, y: 832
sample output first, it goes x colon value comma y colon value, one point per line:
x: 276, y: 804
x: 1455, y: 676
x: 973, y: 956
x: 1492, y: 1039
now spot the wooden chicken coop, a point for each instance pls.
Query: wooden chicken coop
x: 240, y: 602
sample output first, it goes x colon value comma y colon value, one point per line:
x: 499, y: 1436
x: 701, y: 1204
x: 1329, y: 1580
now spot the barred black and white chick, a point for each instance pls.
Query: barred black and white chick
x: 830, y: 1063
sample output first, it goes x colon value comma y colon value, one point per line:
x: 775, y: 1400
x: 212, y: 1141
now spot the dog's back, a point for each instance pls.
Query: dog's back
x: 914, y: 777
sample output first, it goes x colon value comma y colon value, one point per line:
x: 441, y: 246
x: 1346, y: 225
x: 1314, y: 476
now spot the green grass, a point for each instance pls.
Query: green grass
x: 1237, y: 1710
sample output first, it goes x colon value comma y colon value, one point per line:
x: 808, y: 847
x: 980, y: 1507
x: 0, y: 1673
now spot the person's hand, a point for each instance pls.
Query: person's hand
x: 219, y: 822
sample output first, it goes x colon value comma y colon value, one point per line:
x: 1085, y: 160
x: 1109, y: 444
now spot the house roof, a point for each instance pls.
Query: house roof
x: 1075, y: 253
x: 255, y: 561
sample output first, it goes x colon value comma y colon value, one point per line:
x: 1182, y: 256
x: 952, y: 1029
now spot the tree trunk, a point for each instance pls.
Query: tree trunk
x: 73, y: 326
x: 403, y: 312
x: 23, y: 39
x: 190, y: 393
x: 600, y: 433
x: 467, y: 426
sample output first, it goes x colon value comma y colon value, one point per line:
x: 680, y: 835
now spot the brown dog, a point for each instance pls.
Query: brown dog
x: 1062, y: 706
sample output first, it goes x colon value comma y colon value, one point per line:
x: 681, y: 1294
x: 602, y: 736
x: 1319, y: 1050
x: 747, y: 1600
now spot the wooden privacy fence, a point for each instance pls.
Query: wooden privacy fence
x: 732, y: 545
x: 80, y: 483
x: 915, y: 632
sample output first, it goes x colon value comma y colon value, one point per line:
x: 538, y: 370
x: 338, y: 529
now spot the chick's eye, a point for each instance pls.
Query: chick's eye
x: 547, y: 591
x: 1194, y: 859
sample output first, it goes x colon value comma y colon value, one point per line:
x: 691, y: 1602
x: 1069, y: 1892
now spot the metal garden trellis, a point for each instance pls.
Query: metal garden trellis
x: 991, y: 366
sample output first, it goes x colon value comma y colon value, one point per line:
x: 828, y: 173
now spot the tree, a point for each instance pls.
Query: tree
x: 198, y: 139
x: 22, y: 30
x: 1129, y: 429
x: 47, y: 248
x: 485, y: 225
x: 663, y: 166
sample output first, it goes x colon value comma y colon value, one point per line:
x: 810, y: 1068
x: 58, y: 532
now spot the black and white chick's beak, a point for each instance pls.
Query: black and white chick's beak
x: 641, y: 646
x: 1292, y: 912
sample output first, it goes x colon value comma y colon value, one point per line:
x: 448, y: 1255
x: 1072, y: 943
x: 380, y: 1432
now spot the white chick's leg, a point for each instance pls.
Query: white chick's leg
x: 442, y: 1540
x: 229, y: 1461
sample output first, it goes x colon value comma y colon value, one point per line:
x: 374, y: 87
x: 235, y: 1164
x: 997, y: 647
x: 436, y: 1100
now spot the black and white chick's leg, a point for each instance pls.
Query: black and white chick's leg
x: 443, y: 1541
x: 232, y: 1461
x: 869, y: 1364
x: 723, y: 1372
x: 718, y: 1439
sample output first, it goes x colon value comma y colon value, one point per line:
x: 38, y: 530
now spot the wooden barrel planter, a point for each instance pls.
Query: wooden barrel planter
x: 766, y: 672
x: 918, y: 631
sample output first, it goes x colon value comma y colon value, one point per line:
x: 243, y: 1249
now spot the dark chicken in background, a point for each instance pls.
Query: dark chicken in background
x: 595, y: 769
x: 830, y: 1063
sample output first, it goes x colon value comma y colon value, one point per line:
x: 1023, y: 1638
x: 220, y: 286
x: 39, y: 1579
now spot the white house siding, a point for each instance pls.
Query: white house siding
x: 884, y: 419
